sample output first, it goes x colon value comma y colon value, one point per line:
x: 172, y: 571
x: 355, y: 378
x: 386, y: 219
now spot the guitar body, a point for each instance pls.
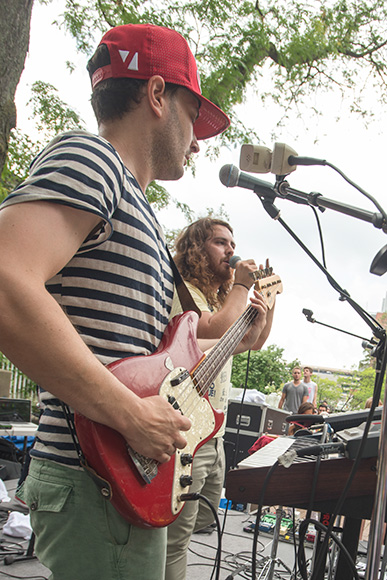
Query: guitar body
x: 155, y: 503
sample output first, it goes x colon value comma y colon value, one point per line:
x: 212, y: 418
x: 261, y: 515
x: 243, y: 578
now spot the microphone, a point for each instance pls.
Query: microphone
x: 230, y: 176
x: 281, y: 161
x: 258, y: 159
x: 234, y: 260
x: 258, y: 274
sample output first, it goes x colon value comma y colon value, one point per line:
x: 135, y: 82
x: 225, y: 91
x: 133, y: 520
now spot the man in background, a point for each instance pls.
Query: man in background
x: 323, y: 409
x: 294, y: 393
x: 203, y: 252
x: 312, y: 386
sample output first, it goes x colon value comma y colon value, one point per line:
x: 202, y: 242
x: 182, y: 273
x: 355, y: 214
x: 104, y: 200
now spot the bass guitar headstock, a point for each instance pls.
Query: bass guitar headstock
x: 267, y: 284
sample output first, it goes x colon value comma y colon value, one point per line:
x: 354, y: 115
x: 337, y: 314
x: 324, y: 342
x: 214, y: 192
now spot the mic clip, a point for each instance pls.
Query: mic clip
x: 271, y: 209
x: 282, y: 188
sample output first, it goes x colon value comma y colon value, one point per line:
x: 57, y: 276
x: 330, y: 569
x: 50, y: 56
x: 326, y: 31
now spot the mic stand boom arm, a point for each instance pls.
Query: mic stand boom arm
x: 316, y: 199
x: 335, y: 328
x: 267, y: 196
x: 376, y: 328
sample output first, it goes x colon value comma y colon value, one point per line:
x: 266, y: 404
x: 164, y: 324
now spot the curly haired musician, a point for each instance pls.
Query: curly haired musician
x: 85, y: 280
x: 203, y: 252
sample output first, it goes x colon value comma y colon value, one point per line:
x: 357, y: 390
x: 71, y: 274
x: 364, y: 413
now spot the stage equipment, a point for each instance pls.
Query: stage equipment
x: 309, y: 317
x: 15, y: 411
x: 245, y: 423
x: 230, y: 176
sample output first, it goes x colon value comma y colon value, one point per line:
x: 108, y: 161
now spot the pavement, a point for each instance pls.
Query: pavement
x: 236, y: 551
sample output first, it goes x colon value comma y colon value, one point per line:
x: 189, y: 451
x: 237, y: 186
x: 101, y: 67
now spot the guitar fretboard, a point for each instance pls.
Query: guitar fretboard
x: 213, y: 363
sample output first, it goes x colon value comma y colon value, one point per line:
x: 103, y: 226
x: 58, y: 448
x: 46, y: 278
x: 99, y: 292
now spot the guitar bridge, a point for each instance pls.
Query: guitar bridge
x: 146, y: 467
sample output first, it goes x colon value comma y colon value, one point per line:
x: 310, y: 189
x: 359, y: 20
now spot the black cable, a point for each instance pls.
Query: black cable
x: 375, y: 326
x: 236, y: 448
x: 294, y: 544
x: 196, y: 497
x: 295, y: 160
x: 301, y: 535
x: 379, y: 380
x: 258, y: 517
x: 320, y: 235
x: 362, y: 191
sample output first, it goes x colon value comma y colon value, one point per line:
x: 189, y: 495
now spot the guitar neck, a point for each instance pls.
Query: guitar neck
x: 205, y: 373
x: 213, y: 363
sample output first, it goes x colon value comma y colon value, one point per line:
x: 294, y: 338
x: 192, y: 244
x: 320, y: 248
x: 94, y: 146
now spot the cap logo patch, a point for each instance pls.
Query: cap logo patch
x: 133, y: 64
x: 124, y: 54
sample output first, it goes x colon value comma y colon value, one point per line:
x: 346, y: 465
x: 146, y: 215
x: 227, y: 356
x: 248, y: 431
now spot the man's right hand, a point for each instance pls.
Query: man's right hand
x: 155, y: 429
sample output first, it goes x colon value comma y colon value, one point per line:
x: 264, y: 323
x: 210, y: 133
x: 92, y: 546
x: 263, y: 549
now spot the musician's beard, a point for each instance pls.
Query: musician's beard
x: 222, y: 274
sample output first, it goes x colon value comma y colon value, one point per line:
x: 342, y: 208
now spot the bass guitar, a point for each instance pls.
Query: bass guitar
x: 145, y: 492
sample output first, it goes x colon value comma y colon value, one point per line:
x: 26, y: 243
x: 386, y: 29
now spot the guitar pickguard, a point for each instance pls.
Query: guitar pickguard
x: 201, y: 414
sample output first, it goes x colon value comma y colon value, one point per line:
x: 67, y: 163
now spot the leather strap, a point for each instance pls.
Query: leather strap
x: 186, y: 300
x: 103, y: 485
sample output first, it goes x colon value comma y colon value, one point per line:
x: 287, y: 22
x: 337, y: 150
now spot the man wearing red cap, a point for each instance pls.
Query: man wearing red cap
x: 85, y: 280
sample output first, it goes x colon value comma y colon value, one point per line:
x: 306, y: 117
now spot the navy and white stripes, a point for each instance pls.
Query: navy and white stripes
x: 117, y: 290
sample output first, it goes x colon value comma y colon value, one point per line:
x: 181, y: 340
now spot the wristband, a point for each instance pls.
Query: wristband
x: 239, y: 284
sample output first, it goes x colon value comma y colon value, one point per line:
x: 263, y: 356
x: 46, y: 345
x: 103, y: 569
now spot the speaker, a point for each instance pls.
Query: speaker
x: 244, y: 416
x: 245, y: 423
x: 236, y: 446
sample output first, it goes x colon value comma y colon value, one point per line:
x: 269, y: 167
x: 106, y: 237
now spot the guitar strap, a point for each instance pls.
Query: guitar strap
x: 186, y: 300
x: 102, y: 484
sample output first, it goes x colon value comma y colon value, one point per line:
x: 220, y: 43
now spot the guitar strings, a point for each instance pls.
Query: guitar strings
x: 204, y: 374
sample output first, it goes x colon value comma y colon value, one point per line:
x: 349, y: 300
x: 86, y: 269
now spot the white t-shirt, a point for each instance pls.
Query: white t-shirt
x: 311, y: 386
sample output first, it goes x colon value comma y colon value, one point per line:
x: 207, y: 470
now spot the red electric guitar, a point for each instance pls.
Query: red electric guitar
x: 145, y: 492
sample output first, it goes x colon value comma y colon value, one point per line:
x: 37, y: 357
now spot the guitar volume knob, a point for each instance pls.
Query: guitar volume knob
x: 185, y: 480
x: 186, y: 459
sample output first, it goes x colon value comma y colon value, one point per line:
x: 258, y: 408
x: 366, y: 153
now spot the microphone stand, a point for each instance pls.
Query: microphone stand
x: 282, y: 189
x: 309, y: 318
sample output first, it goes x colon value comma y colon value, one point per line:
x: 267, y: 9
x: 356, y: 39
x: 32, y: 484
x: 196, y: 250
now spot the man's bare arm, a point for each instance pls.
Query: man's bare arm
x: 37, y: 240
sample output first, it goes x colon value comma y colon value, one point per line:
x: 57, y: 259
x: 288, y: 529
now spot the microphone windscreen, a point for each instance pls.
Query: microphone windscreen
x: 234, y: 260
x: 229, y: 175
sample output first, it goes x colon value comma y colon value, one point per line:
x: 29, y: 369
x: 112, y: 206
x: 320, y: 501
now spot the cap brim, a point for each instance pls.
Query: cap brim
x: 211, y: 120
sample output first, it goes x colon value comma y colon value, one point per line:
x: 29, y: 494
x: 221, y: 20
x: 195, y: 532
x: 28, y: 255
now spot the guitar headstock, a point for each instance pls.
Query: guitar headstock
x: 268, y: 285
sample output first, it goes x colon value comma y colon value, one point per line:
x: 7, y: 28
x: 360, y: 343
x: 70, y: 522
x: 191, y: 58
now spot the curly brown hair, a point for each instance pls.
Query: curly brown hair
x: 192, y: 261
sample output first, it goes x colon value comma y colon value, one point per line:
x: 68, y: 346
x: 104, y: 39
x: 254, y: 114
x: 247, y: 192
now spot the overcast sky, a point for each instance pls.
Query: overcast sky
x: 356, y: 146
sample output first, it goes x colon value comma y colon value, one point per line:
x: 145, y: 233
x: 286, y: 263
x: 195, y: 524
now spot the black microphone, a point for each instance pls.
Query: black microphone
x: 234, y: 260
x: 257, y: 275
x: 230, y: 176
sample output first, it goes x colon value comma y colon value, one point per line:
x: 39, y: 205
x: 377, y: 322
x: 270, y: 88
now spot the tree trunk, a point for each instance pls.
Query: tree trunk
x: 15, y: 19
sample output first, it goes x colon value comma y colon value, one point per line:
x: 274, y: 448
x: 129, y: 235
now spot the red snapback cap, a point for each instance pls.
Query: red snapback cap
x: 140, y: 51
